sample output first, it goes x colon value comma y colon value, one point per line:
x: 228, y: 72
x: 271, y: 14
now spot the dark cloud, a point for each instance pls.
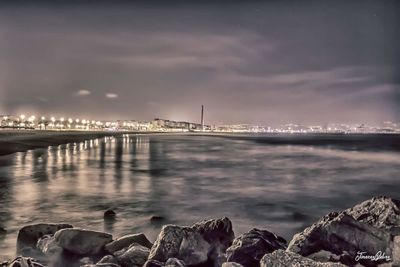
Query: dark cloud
x: 258, y: 62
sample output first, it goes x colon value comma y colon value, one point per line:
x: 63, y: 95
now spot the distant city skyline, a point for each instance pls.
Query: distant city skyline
x: 258, y: 62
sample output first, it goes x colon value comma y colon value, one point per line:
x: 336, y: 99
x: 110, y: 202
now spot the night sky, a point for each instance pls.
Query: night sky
x: 266, y: 62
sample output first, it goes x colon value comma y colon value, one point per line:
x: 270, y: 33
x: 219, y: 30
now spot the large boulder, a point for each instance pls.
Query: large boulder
x: 30, y: 234
x: 217, y: 232
x: 281, y: 258
x: 249, y: 248
x: 181, y: 242
x: 134, y: 256
x: 82, y: 242
x: 380, y: 212
x: 126, y: 241
x: 369, y: 227
x: 204, y: 242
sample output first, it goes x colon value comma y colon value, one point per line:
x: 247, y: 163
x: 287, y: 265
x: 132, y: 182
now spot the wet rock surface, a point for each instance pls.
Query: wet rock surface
x: 249, y: 248
x: 181, y: 242
x: 135, y: 255
x: 369, y: 228
x: 204, y: 242
x: 380, y: 212
x: 82, y: 242
x: 30, y: 234
x: 126, y: 241
x: 48, y: 246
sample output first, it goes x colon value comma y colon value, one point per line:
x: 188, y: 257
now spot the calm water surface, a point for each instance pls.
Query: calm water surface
x: 280, y: 187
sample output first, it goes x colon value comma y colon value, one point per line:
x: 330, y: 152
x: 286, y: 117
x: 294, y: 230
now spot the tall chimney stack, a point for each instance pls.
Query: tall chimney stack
x: 202, y: 117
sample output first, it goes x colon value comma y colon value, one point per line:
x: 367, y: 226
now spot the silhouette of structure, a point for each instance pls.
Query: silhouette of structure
x: 202, y: 117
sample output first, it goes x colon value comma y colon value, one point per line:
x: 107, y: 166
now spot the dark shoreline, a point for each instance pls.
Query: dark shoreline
x: 21, y: 141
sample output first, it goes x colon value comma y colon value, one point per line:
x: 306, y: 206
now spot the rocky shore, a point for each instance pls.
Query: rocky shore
x: 367, y: 234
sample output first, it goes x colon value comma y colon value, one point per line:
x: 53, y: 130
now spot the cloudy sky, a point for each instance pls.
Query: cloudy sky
x: 266, y: 62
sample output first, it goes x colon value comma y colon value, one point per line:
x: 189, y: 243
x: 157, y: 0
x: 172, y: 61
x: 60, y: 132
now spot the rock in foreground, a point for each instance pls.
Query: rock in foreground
x: 134, y: 256
x: 82, y: 242
x: 281, y: 258
x: 126, y: 241
x: 30, y: 234
x: 204, y: 242
x: 249, y: 248
x: 380, y: 212
x: 368, y: 227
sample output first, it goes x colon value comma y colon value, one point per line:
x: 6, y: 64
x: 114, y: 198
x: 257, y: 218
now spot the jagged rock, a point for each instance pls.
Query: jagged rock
x: 381, y: 212
x: 174, y: 262
x: 369, y: 227
x: 126, y: 241
x: 181, y: 242
x: 217, y: 232
x: 281, y: 258
x: 249, y: 248
x: 82, y: 242
x: 168, y: 243
x: 30, y: 234
x: 47, y: 245
x: 135, y: 255
x: 204, y: 242
x: 193, y: 248
x: 22, y: 262
x: 231, y: 264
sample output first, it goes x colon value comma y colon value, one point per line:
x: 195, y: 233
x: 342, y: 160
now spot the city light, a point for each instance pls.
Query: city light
x: 162, y: 125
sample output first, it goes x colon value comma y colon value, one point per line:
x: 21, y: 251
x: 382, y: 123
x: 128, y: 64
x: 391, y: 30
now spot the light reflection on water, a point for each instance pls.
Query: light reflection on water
x: 185, y: 179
